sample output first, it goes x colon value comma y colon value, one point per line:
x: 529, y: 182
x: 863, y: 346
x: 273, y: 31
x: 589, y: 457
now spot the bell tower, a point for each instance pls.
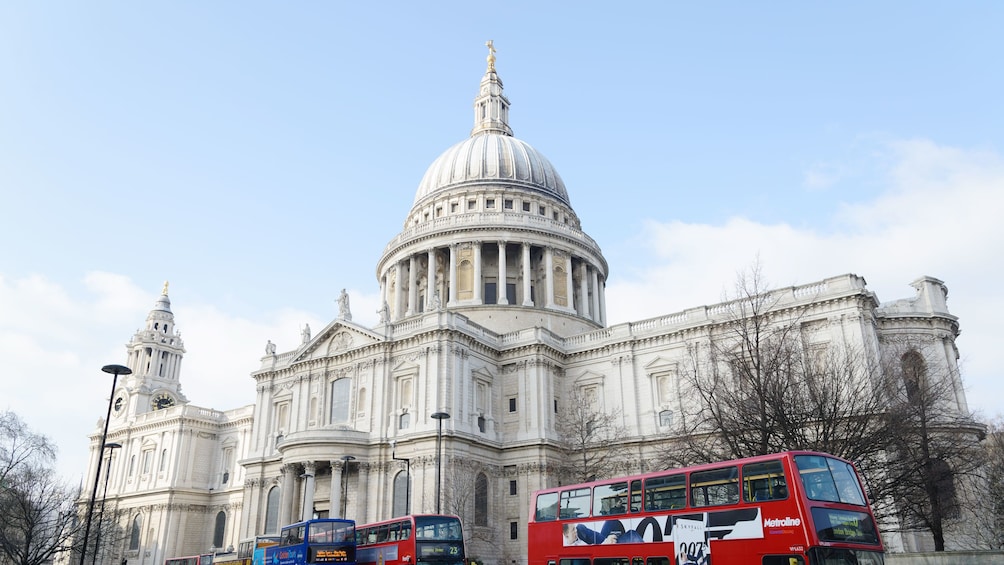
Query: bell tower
x: 155, y: 354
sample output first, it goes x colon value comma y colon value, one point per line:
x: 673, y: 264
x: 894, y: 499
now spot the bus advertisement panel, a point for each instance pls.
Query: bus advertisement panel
x: 326, y: 540
x: 781, y: 509
x: 416, y: 539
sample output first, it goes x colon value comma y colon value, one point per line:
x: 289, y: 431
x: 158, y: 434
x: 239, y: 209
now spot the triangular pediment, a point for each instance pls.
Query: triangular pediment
x: 587, y: 377
x: 338, y: 337
x: 660, y: 365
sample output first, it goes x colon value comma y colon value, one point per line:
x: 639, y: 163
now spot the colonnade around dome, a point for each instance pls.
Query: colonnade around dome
x: 470, y: 273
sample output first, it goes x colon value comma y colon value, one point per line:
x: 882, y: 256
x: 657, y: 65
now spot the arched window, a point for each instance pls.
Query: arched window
x: 944, y: 481
x: 221, y: 527
x: 404, y: 421
x: 163, y: 461
x: 272, y: 511
x: 481, y: 500
x: 340, y: 401
x: 400, y: 494
x: 134, y: 534
x: 914, y: 376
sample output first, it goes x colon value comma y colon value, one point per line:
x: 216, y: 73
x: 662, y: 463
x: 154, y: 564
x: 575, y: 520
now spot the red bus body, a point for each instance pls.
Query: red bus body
x: 790, y: 508
x: 418, y: 539
x: 203, y: 559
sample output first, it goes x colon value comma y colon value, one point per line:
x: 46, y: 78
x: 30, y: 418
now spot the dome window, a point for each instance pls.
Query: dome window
x: 471, y: 204
x: 526, y: 206
x: 508, y: 204
x: 490, y: 203
x: 453, y: 207
x: 542, y: 211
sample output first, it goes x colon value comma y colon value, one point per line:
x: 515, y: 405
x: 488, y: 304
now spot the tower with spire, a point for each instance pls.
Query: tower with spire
x: 154, y: 356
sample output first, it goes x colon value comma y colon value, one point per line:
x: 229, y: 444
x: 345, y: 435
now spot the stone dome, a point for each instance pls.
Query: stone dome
x: 492, y: 158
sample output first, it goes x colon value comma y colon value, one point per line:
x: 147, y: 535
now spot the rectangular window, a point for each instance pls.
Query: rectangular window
x: 471, y: 204
x: 453, y: 207
x: 574, y: 503
x: 490, y: 203
x: 526, y: 206
x: 542, y: 211
x: 764, y: 481
x: 340, y: 401
x: 512, y: 488
x: 508, y: 203
x: 513, y: 530
x: 147, y: 458
x: 667, y: 492
x: 714, y: 488
x: 490, y: 295
x: 610, y: 499
x: 510, y: 292
x: 512, y: 404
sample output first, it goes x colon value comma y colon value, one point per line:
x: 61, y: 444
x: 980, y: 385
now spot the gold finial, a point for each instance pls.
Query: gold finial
x: 491, y: 56
x: 164, y: 292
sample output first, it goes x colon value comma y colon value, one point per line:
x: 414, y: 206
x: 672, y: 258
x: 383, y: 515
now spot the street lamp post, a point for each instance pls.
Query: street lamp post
x: 111, y: 447
x: 439, y: 417
x: 407, y: 476
x: 345, y: 481
x: 114, y: 370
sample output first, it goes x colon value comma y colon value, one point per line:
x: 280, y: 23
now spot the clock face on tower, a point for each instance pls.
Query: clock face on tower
x: 119, y: 404
x: 161, y: 401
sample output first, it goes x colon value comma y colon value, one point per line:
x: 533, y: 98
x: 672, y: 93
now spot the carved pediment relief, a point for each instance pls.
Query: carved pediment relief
x: 337, y: 338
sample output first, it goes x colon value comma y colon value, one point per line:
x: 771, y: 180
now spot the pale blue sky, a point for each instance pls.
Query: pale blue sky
x: 260, y: 155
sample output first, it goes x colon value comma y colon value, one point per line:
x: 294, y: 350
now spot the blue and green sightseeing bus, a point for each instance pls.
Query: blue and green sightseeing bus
x: 324, y: 540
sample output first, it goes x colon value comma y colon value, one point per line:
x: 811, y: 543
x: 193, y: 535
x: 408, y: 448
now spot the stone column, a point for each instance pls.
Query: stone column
x: 287, y: 495
x: 583, y: 289
x: 602, y: 289
x: 398, y: 291
x: 308, y: 490
x: 412, y: 286
x: 549, y: 277
x: 430, y: 290
x: 362, y: 509
x: 569, y: 282
x: 501, y: 285
x: 479, y: 285
x: 596, y: 296
x: 451, y: 281
x: 527, y: 299
x: 337, y: 468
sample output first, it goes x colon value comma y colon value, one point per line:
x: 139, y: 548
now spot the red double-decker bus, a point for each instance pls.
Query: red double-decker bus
x: 418, y: 539
x: 790, y: 508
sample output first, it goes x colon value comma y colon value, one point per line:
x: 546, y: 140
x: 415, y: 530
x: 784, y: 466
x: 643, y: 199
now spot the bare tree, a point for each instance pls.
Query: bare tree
x: 590, y: 437
x: 39, y: 518
x: 467, y: 487
x: 762, y: 385
x: 935, y: 461
x: 20, y: 446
